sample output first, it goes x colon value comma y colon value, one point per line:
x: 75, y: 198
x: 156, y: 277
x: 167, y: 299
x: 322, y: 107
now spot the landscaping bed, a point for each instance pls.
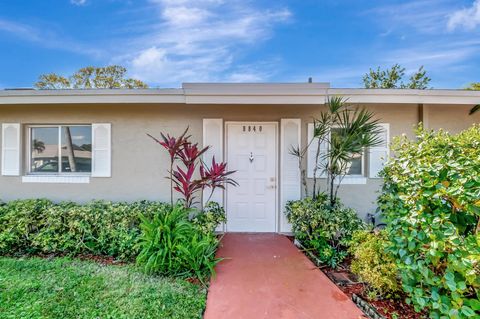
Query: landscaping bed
x: 72, y: 288
x: 388, y: 308
x: 350, y: 285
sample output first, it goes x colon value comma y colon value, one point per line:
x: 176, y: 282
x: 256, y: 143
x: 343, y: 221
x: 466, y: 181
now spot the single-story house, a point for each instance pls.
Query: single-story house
x: 81, y: 145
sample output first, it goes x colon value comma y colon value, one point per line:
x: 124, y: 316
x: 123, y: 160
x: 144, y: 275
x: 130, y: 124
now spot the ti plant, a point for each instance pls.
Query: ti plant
x: 173, y: 146
x: 341, y: 133
x: 192, y: 174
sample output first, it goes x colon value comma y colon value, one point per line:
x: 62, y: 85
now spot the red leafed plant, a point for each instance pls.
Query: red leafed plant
x: 173, y: 146
x: 182, y: 179
x: 216, y: 176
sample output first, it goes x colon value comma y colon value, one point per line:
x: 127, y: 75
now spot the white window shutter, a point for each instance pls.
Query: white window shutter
x: 101, y: 150
x: 312, y: 153
x: 11, y: 149
x: 290, y: 175
x: 378, y: 155
x: 213, y: 137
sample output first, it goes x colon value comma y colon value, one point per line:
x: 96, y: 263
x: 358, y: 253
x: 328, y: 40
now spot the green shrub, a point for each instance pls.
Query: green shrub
x: 373, y: 264
x: 430, y: 199
x: 323, y: 229
x: 172, y: 245
x: 20, y: 223
x: 101, y: 228
x: 210, y: 218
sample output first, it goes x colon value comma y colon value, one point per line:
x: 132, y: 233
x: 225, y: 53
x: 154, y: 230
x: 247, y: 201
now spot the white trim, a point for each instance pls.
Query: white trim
x: 277, y: 195
x: 311, y: 152
x: 352, y: 180
x: 14, y: 169
x: 56, y: 179
x: 240, y: 93
x: 212, y: 135
x: 290, y: 188
x: 28, y: 151
x: 356, y: 178
x: 362, y: 165
x: 383, y: 149
x: 107, y: 149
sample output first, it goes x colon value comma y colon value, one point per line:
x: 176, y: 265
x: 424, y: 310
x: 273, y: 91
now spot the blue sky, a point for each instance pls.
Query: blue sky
x: 167, y: 42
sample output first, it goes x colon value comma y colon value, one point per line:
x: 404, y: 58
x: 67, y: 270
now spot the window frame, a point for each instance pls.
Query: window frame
x: 362, y: 173
x: 29, y: 151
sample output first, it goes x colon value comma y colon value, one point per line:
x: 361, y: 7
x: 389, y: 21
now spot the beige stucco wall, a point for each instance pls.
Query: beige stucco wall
x: 139, y: 165
x: 452, y: 118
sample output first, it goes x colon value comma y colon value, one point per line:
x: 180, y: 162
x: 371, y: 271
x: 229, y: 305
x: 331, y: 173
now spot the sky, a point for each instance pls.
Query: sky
x: 167, y: 42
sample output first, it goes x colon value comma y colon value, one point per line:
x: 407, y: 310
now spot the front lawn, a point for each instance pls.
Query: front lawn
x: 69, y: 288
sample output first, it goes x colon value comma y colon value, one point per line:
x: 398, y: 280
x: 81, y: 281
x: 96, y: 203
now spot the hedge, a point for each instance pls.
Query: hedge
x: 39, y: 226
x: 431, y: 201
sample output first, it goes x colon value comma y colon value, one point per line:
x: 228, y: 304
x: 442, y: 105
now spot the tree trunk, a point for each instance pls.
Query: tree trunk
x: 70, y: 151
x: 332, y: 195
x: 315, y: 169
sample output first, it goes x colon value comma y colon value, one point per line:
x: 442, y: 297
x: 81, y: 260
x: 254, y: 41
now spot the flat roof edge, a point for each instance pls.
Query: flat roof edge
x: 243, y: 93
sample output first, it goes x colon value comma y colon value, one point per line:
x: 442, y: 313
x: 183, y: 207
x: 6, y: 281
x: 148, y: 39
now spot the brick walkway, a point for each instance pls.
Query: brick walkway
x: 266, y: 276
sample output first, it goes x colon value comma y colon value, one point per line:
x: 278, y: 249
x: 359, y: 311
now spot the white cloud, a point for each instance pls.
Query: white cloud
x: 47, y: 38
x: 425, y: 16
x: 200, y: 40
x: 467, y: 18
x: 78, y: 2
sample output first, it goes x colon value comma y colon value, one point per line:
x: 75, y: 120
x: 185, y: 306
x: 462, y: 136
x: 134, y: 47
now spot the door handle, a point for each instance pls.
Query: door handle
x: 272, y: 186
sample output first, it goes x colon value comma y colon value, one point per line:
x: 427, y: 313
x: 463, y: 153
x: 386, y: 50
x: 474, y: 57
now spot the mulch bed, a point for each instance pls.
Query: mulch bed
x: 347, y: 282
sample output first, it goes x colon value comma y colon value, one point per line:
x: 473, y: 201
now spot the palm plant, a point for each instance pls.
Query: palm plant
x: 475, y: 86
x: 345, y: 132
x: 475, y: 109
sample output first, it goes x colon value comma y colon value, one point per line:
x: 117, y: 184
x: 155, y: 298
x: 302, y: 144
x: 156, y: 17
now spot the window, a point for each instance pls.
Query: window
x: 60, y: 149
x: 355, y: 167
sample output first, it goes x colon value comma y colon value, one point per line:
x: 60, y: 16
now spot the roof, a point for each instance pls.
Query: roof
x: 239, y: 93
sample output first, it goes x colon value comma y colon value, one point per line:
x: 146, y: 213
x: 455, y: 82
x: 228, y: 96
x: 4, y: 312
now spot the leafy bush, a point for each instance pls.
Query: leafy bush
x: 430, y: 199
x: 321, y: 228
x: 103, y: 228
x: 374, y: 264
x: 172, y: 245
x: 210, y: 218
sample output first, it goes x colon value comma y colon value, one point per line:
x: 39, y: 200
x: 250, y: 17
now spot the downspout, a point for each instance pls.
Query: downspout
x: 423, y: 115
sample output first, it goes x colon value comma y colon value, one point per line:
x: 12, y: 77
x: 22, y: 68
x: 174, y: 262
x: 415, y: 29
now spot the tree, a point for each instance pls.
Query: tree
x: 393, y: 79
x: 476, y: 87
x: 108, y: 77
x: 341, y: 134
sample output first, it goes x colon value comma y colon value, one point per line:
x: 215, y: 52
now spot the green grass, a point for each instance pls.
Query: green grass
x: 69, y: 288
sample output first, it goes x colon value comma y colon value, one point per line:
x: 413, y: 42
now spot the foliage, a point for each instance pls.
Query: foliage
x: 393, y: 78
x: 474, y: 86
x: 108, y: 77
x: 374, y: 264
x: 182, y: 179
x: 172, y: 245
x: 340, y: 134
x: 430, y: 199
x: 210, y: 218
x: 62, y: 288
x: 321, y: 228
x: 475, y: 109
x: 102, y: 228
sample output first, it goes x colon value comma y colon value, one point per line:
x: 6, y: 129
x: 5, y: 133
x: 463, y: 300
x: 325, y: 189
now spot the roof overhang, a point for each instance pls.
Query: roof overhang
x: 240, y: 93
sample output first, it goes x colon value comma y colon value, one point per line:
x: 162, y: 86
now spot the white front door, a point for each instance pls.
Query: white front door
x: 252, y: 153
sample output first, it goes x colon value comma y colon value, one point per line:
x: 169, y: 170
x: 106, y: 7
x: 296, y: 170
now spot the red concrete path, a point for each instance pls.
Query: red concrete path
x: 266, y: 276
